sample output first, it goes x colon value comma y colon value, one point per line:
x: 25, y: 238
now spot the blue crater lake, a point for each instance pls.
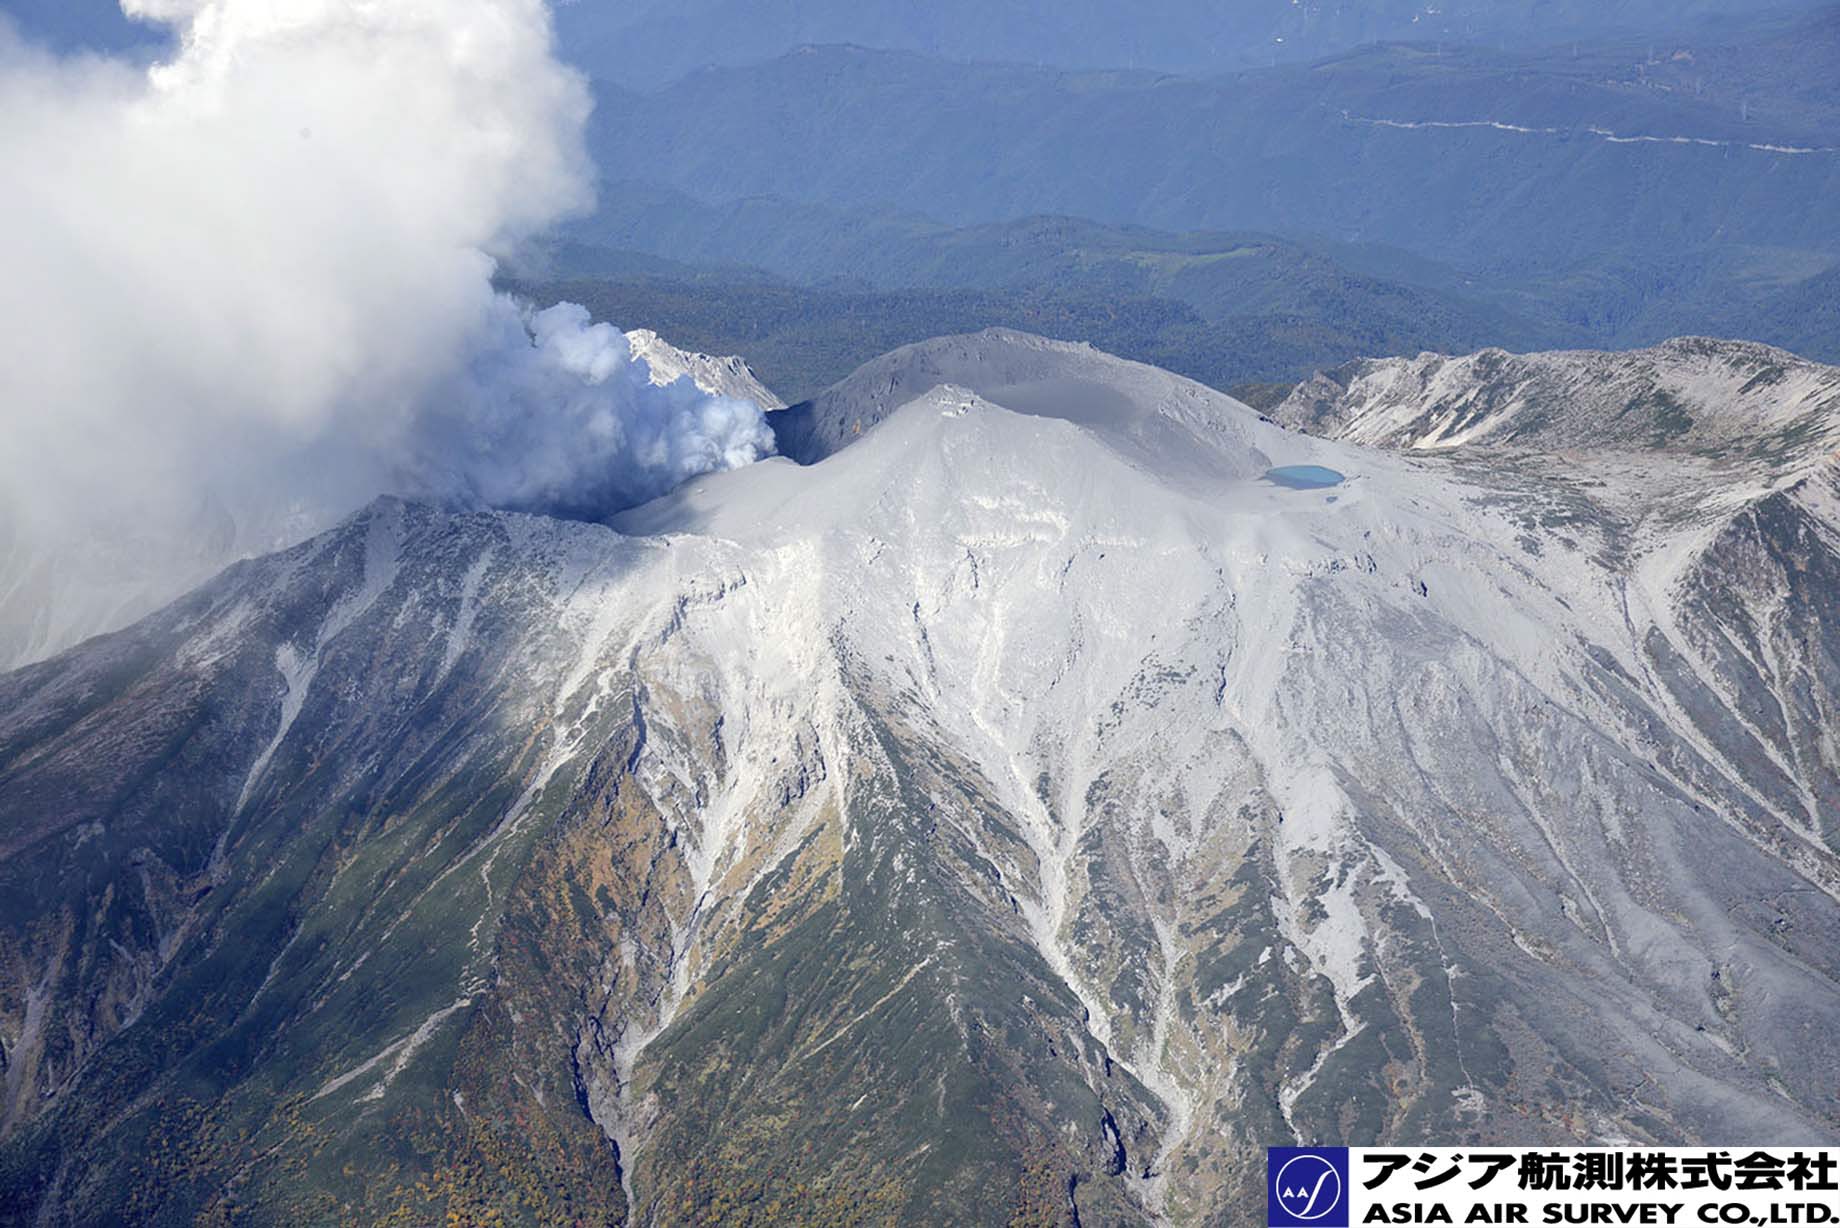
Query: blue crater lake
x: 1304, y: 477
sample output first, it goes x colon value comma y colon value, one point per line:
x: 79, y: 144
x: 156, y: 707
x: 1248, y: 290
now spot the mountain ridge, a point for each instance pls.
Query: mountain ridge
x: 1698, y: 393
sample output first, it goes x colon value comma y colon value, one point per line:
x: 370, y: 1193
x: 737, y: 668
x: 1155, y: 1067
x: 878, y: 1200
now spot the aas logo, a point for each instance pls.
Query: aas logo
x: 1306, y: 1187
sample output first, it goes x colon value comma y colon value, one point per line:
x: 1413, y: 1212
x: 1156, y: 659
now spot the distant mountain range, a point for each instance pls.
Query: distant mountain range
x: 1220, y: 275
x: 1387, y: 200
x: 803, y: 338
x: 1478, y: 159
x: 809, y: 292
x: 832, y: 289
x: 647, y: 43
x: 1654, y: 170
x: 653, y: 41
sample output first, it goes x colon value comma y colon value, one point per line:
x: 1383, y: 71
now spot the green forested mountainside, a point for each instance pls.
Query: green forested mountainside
x: 1806, y: 315
x: 801, y: 339
x: 1774, y: 293
x: 1219, y: 274
x: 1226, y: 309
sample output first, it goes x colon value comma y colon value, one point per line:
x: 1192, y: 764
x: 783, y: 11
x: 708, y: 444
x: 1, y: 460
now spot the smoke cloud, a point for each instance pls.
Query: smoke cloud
x: 559, y: 417
x: 255, y: 278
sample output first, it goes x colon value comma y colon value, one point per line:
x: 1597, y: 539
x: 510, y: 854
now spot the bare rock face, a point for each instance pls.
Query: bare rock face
x: 1023, y: 810
x: 1725, y: 398
x: 728, y: 376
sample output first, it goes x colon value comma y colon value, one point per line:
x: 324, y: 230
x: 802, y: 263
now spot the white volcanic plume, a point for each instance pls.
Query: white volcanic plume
x: 257, y: 278
x: 559, y: 417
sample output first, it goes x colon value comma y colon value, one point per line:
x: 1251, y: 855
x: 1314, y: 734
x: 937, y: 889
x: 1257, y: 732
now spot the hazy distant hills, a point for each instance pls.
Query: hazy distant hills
x: 647, y: 43
x: 1466, y: 156
x: 654, y: 41
x: 809, y: 291
x: 1213, y: 285
x: 801, y: 338
x: 1520, y: 175
x: 1220, y: 274
x: 818, y: 208
x: 1428, y: 196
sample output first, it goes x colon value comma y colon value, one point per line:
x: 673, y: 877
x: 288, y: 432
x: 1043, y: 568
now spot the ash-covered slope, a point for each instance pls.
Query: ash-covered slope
x: 1701, y: 473
x: 1013, y: 815
x: 54, y: 596
x: 1163, y: 419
